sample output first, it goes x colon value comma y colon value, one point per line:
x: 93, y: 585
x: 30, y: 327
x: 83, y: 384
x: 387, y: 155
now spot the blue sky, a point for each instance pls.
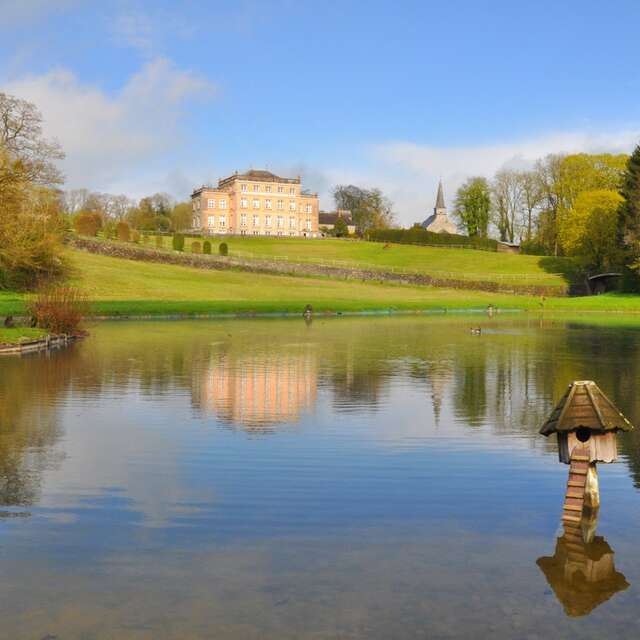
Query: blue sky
x: 162, y: 96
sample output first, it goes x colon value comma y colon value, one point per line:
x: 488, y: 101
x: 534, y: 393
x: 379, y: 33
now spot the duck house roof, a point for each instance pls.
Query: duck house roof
x: 585, y: 405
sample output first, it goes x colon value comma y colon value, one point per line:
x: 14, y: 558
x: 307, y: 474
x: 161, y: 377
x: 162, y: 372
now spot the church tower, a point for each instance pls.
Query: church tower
x: 439, y: 222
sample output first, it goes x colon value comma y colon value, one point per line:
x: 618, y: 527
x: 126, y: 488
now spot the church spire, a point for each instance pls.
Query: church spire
x: 440, y: 197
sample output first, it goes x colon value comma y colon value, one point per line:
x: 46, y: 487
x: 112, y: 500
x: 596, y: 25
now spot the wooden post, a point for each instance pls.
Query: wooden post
x: 592, y: 490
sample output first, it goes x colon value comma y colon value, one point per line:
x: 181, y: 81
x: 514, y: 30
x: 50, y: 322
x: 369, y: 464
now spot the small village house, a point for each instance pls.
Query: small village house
x: 327, y: 220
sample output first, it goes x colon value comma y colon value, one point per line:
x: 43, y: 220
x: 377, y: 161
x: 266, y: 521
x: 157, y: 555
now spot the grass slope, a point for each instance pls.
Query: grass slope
x: 126, y: 287
x: 467, y: 264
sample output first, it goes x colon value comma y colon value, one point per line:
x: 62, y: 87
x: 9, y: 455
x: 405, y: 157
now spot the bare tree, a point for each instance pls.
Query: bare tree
x: 531, y: 198
x: 75, y: 199
x: 506, y: 190
x: 118, y: 206
x: 21, y: 135
x: 548, y: 171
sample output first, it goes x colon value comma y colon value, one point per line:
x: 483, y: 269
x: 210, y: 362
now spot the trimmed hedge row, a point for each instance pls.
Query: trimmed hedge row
x: 418, y: 235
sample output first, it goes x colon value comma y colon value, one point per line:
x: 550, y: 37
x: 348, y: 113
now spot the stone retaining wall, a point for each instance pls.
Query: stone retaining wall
x: 37, y: 344
x: 200, y: 261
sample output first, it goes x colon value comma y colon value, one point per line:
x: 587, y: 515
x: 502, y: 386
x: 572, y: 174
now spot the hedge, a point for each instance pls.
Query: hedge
x: 418, y: 235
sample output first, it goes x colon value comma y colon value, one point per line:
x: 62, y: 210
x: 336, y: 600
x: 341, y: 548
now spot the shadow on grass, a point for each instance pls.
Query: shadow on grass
x: 569, y: 269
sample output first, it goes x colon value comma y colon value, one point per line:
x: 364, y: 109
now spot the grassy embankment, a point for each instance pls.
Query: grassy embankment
x: 125, y: 287
x: 17, y: 334
x: 463, y: 264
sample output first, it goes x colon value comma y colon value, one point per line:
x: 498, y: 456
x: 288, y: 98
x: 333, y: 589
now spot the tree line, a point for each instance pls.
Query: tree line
x: 582, y: 205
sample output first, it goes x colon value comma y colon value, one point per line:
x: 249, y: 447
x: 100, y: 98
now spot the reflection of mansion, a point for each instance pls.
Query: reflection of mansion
x: 439, y: 221
x: 261, y: 389
x: 256, y: 203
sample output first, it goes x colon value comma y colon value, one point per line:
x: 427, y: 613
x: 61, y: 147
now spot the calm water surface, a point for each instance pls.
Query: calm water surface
x: 350, y: 478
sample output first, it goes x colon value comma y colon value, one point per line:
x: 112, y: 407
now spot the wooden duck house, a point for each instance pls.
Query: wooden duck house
x: 586, y: 419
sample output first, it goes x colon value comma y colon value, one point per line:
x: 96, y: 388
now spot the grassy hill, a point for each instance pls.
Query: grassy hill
x: 463, y: 264
x: 126, y: 287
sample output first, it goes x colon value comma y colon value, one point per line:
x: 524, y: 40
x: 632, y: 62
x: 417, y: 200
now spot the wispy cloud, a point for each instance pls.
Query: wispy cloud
x: 108, y: 137
x: 147, y: 32
x: 409, y: 172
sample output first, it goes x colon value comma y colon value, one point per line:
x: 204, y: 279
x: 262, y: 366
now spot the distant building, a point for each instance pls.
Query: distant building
x: 439, y: 222
x: 327, y: 220
x: 257, y: 203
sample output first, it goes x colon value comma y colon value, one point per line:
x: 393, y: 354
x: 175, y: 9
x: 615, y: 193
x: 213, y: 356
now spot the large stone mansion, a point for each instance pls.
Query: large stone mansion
x: 256, y: 203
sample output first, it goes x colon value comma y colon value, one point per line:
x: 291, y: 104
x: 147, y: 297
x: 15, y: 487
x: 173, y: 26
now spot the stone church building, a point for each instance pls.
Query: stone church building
x: 439, y: 221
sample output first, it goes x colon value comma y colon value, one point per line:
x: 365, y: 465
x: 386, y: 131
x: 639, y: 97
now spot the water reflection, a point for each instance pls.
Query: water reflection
x: 259, y: 389
x: 582, y: 574
x: 403, y: 490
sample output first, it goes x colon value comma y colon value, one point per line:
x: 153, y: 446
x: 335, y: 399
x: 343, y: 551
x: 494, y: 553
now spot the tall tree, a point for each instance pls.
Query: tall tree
x: 588, y: 228
x: 629, y: 213
x: 531, y: 199
x: 370, y: 208
x: 21, y: 137
x: 473, y: 205
x: 506, y: 189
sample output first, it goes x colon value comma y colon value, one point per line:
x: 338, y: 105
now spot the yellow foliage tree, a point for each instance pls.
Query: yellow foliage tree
x: 30, y: 247
x: 588, y: 228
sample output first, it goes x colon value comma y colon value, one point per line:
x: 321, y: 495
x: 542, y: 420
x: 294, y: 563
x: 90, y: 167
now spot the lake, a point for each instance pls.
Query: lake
x: 340, y: 478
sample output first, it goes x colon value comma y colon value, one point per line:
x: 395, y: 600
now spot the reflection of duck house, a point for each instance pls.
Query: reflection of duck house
x: 582, y: 576
x: 587, y: 419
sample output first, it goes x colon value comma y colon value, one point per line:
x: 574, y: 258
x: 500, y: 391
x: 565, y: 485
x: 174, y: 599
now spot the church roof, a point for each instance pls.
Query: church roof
x: 429, y: 220
x: 440, y: 197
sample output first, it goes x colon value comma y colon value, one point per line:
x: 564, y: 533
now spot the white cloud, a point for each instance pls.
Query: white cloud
x: 109, y: 137
x: 408, y: 173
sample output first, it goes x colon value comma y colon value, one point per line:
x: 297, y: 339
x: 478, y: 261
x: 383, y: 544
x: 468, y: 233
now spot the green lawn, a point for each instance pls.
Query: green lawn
x: 467, y: 264
x: 125, y: 287
x: 17, y: 334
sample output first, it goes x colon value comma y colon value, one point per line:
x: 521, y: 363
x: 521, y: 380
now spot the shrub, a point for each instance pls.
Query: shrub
x: 159, y: 242
x: 418, y: 235
x: 109, y: 230
x: 59, y: 309
x: 178, y: 242
x: 123, y: 231
x: 533, y: 248
x: 135, y: 236
x: 223, y: 249
x: 195, y: 247
x: 88, y: 223
x: 206, y: 247
x: 145, y: 238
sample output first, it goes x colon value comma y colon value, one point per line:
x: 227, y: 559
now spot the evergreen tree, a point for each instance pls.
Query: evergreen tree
x: 629, y: 213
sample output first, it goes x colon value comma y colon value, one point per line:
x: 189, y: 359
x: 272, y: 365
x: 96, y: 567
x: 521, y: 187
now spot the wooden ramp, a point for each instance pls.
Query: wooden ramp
x: 576, y: 485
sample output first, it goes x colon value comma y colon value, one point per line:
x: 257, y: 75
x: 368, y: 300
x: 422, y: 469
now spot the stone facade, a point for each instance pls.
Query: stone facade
x: 256, y: 203
x: 439, y: 222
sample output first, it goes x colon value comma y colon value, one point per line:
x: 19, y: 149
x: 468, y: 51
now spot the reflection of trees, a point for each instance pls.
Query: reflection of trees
x: 269, y: 372
x: 30, y: 391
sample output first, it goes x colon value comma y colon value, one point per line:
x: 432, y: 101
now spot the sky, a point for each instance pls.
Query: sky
x: 165, y: 96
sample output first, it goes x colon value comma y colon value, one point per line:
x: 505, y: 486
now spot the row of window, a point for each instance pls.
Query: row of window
x: 212, y: 203
x: 293, y: 222
x: 267, y: 188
